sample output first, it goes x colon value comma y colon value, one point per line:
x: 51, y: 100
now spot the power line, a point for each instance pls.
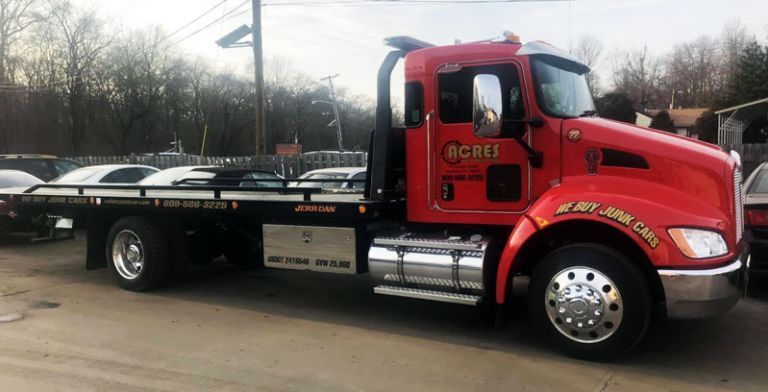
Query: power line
x: 81, y: 79
x: 207, y: 26
x: 122, y: 12
x: 395, y: 2
x: 231, y: 14
x: 193, y: 21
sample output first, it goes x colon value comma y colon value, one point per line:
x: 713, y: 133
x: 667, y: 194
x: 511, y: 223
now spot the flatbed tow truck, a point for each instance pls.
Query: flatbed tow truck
x: 502, y: 172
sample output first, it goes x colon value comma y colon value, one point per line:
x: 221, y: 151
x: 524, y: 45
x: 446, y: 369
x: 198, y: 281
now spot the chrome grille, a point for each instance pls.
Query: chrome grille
x: 738, y: 202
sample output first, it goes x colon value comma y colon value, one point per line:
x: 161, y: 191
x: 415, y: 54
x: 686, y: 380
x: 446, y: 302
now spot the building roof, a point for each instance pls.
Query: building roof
x: 681, y: 117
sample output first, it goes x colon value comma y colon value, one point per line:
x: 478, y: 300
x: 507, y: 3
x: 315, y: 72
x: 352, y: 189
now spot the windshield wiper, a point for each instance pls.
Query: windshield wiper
x: 588, y: 113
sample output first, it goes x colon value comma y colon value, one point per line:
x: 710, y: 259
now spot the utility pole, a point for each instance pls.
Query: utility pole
x: 339, y: 136
x: 258, y: 62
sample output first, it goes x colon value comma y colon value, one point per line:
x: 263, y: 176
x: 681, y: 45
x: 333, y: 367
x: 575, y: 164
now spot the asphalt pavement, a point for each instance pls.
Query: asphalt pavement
x: 65, y: 328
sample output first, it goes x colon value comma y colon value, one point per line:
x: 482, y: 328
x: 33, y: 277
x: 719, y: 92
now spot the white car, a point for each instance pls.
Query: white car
x: 333, y: 173
x: 106, y: 174
x: 168, y: 176
x: 18, y: 179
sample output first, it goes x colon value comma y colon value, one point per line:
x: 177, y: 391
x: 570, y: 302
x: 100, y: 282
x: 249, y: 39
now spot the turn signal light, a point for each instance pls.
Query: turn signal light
x: 757, y: 217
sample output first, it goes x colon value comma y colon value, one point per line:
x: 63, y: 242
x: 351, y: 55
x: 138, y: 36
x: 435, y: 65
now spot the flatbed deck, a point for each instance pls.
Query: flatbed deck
x: 265, y: 202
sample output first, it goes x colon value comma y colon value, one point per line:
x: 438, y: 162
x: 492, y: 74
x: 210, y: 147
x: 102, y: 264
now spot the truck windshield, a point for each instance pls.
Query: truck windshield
x: 560, y: 90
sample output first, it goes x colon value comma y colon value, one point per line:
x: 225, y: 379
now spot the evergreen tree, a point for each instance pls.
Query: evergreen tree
x: 663, y: 122
x: 616, y: 106
x: 750, y: 81
x: 706, y: 127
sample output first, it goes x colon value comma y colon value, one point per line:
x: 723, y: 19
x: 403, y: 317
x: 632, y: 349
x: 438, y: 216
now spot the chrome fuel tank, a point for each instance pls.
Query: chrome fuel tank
x: 450, y: 264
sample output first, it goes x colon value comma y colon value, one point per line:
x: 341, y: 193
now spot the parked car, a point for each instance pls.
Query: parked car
x: 169, y: 176
x: 9, y: 220
x: 221, y: 176
x: 333, y: 173
x: 17, y: 179
x: 756, y: 218
x: 106, y: 174
x: 44, y: 167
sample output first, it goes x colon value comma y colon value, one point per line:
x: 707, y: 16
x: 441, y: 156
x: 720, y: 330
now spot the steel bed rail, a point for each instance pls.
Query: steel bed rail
x: 183, y: 186
x: 217, y: 190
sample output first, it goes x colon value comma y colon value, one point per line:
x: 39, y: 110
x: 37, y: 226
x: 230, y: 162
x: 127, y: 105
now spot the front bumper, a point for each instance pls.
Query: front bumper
x: 693, y: 294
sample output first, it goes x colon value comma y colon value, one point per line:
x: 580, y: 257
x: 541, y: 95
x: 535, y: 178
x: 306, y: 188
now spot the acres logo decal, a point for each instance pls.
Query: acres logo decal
x: 455, y: 152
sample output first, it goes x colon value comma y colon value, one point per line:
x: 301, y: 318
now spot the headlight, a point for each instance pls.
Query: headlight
x: 698, y: 244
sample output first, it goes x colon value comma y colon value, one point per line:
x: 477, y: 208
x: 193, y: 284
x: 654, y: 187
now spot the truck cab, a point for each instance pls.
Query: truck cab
x: 502, y: 143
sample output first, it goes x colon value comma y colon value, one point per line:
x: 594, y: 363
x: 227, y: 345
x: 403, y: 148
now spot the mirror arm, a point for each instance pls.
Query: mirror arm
x: 534, y: 156
x: 535, y: 121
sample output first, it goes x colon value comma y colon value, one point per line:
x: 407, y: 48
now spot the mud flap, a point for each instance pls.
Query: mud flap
x: 96, y: 240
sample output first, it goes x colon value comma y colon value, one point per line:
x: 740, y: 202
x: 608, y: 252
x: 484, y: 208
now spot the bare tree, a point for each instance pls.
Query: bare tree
x: 130, y: 83
x: 15, y: 17
x: 638, y: 74
x: 78, y: 43
x: 589, y: 49
x: 81, y: 92
x: 733, y: 41
x: 301, y: 88
x: 693, y: 73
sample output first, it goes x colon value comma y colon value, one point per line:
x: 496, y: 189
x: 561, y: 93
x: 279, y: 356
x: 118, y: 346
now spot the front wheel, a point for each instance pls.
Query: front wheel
x: 590, y: 301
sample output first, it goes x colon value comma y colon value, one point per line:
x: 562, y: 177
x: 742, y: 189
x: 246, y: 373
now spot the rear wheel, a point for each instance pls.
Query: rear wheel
x: 590, y: 301
x: 137, y: 251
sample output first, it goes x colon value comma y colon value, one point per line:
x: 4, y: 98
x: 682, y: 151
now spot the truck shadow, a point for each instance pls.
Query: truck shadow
x: 724, y: 351
x: 701, y: 352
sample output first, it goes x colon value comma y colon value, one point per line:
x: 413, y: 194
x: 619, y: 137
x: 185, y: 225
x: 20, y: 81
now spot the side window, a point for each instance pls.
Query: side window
x: 36, y: 167
x: 358, y: 185
x: 114, y: 177
x: 135, y: 174
x: 144, y: 172
x: 64, y: 166
x: 126, y: 176
x: 9, y: 164
x: 414, y: 104
x: 456, y: 90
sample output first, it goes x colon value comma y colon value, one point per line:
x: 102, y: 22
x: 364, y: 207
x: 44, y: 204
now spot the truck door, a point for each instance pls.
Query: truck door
x: 470, y: 173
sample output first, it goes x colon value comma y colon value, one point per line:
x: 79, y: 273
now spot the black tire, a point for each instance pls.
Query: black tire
x: 154, y: 253
x: 634, y: 296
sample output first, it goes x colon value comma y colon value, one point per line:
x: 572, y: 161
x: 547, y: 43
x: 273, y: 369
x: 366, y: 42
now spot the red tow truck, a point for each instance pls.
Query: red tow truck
x: 502, y: 173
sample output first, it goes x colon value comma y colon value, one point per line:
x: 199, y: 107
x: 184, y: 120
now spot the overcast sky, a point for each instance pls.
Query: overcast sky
x: 328, y: 39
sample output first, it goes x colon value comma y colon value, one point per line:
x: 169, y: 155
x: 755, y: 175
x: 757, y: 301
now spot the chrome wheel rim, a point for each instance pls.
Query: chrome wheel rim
x: 128, y: 254
x: 584, y: 305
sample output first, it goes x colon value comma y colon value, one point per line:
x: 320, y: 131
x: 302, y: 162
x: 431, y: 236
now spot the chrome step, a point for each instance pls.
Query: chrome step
x: 431, y: 295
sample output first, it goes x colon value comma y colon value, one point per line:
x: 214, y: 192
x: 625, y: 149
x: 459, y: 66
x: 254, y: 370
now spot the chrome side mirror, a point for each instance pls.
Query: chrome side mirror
x: 487, y: 108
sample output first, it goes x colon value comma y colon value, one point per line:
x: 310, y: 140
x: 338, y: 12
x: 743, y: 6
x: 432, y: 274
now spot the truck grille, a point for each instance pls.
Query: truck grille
x: 738, y: 203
